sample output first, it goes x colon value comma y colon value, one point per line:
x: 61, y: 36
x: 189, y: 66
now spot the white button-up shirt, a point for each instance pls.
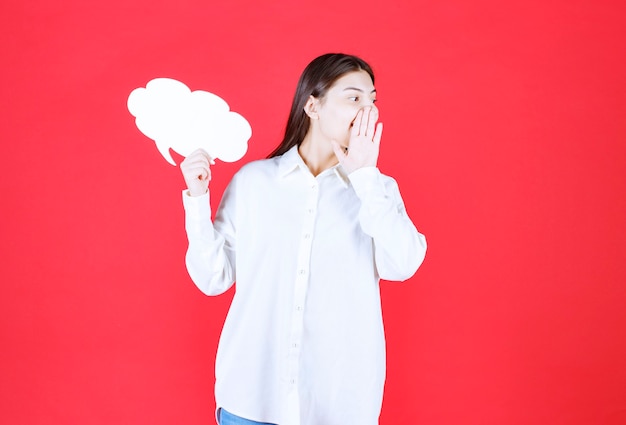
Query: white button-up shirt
x: 303, y: 342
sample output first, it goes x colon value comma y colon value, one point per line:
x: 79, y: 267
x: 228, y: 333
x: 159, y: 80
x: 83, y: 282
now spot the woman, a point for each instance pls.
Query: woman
x: 307, y: 234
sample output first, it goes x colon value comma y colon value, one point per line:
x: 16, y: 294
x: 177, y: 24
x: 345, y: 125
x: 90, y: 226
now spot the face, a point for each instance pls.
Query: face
x: 334, y: 114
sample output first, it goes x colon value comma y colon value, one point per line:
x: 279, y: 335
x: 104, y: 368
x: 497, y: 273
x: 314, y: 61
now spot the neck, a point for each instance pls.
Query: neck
x: 317, y: 155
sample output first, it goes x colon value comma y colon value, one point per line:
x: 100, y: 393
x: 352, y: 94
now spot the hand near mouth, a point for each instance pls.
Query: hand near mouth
x: 364, y: 144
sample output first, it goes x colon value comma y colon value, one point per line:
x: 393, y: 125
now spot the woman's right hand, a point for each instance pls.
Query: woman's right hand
x: 196, y: 169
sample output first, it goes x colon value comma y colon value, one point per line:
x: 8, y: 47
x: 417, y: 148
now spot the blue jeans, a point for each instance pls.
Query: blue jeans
x: 227, y: 418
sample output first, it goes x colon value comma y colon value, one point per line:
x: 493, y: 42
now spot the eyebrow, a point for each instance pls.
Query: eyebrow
x: 357, y: 89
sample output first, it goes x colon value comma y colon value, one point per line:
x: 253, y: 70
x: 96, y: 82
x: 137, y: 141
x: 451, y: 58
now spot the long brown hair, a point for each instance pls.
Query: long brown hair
x: 316, y: 79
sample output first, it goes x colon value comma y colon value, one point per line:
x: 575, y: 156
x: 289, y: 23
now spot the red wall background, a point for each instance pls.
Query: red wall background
x: 504, y: 125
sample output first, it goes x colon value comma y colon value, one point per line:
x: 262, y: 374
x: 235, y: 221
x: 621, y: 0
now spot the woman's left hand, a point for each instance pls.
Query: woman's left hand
x: 364, y: 142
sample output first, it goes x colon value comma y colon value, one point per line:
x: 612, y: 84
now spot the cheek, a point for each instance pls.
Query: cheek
x: 337, y: 123
x: 344, y: 122
x: 348, y: 117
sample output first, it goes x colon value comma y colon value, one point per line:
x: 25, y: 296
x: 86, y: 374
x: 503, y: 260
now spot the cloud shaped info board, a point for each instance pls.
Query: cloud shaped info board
x: 169, y: 113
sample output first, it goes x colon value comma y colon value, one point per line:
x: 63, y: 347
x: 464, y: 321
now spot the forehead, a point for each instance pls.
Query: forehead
x: 357, y: 79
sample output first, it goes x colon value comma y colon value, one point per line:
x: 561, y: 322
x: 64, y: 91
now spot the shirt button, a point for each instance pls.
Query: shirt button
x: 302, y: 271
x: 307, y: 236
x: 299, y: 308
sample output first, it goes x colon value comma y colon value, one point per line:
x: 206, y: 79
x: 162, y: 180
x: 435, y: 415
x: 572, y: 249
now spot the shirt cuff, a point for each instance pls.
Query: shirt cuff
x: 367, y: 182
x: 197, y: 207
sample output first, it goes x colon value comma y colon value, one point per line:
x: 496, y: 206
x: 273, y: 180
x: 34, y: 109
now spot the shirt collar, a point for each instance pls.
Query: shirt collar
x: 291, y: 160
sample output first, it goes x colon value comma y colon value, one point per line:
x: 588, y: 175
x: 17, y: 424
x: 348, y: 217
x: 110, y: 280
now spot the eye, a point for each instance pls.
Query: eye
x: 374, y: 100
x: 354, y: 98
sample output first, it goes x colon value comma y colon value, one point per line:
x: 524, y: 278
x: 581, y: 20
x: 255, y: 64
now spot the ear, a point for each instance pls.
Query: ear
x: 310, y: 107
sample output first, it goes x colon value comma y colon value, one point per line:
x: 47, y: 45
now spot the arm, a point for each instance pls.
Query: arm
x: 399, y: 248
x: 210, y: 256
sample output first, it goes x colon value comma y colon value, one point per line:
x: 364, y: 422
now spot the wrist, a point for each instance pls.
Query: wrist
x: 194, y: 193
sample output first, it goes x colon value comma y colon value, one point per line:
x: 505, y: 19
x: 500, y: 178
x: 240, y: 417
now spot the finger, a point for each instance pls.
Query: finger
x: 378, y: 134
x: 193, y: 169
x: 364, y: 120
x: 371, y: 122
x: 198, y: 160
x: 201, y: 153
x: 356, y: 124
x: 207, y: 159
x: 206, y: 156
x: 192, y: 158
x: 199, y: 173
x: 198, y: 153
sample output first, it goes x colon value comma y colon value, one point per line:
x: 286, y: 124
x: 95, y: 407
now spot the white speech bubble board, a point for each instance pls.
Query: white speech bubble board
x: 169, y: 113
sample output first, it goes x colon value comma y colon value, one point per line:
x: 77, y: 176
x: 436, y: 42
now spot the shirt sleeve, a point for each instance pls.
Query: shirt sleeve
x: 210, y: 257
x: 399, y: 248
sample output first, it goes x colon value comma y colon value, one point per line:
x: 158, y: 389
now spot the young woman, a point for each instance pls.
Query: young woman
x: 307, y: 234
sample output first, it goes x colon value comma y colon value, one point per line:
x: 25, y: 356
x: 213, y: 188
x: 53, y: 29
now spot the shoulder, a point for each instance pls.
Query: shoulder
x: 257, y: 170
x: 259, y: 166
